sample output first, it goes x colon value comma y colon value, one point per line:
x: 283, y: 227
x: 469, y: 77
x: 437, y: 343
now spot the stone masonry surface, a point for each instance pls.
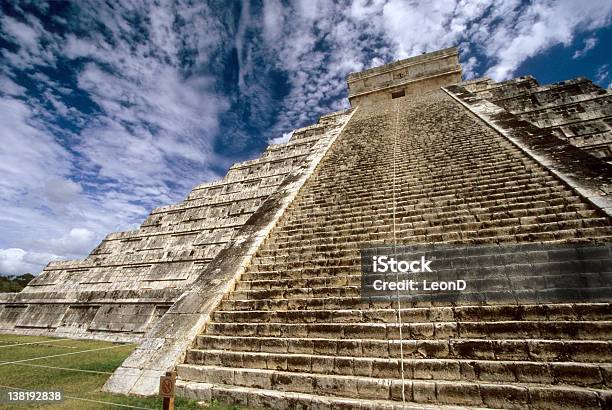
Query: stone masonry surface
x: 411, y: 76
x: 575, y: 110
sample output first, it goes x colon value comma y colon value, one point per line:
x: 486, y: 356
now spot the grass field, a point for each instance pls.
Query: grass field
x: 78, y: 368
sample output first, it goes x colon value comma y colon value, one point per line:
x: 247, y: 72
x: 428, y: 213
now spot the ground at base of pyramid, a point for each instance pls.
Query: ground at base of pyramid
x: 252, y: 289
x: 77, y: 369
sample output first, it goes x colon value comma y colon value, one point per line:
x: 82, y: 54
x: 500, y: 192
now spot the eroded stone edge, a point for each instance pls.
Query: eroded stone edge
x: 590, y: 177
x: 165, y: 345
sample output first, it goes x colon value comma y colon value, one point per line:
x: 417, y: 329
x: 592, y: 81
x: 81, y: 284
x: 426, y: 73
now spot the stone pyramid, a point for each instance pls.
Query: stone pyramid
x: 251, y: 289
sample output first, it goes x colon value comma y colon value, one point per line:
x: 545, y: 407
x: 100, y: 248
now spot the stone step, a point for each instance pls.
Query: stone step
x: 336, y: 211
x: 527, y: 177
x: 511, y: 255
x: 501, y: 349
x: 515, y: 371
x: 494, y: 259
x: 516, y: 174
x: 540, y: 312
x: 592, y: 272
x: 521, y: 234
x: 254, y: 272
x: 580, y: 227
x: 346, y: 291
x: 321, y: 303
x: 466, y: 297
x: 557, y: 330
x: 415, y: 182
x: 554, y: 232
x: 407, y: 205
x: 497, y: 395
x: 283, y: 400
x: 404, y: 200
x: 409, y: 208
x: 364, y: 214
x: 503, y: 226
x: 510, y: 163
x: 419, y: 301
x: 314, y: 254
x: 507, y: 253
x: 282, y: 271
x: 479, y: 279
x: 352, y: 280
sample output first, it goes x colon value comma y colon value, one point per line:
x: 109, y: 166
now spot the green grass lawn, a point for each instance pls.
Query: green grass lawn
x: 79, y: 374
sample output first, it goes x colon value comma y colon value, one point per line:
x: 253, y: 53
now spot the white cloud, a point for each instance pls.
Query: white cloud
x: 273, y: 20
x: 60, y: 192
x: 603, y: 72
x: 152, y: 116
x: 39, y: 200
x: 30, y: 154
x: 508, y: 32
x: 589, y: 44
x: 29, y: 37
x: 291, y: 38
x: 375, y: 62
x: 282, y: 139
x: 16, y: 261
x: 539, y: 27
x: 469, y: 68
x: 420, y: 27
x: 78, y: 241
x: 8, y: 86
x: 22, y: 34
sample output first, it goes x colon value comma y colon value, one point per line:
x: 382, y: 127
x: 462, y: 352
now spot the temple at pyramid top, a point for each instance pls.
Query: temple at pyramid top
x: 412, y: 76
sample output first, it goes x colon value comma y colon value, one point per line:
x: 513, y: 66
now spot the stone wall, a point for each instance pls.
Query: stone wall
x: 575, y: 110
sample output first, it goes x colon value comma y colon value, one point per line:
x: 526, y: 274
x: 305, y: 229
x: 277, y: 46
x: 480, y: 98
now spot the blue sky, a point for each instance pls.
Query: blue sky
x: 109, y: 109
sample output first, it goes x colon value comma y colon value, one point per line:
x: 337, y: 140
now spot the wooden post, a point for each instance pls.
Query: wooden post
x: 167, y: 384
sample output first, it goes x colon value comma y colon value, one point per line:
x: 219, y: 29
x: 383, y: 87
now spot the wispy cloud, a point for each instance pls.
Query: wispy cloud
x: 602, y: 73
x: 527, y: 32
x: 16, y: 261
x: 589, y: 44
x: 283, y: 138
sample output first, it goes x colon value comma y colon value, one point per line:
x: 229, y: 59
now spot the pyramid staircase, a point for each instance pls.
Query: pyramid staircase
x: 297, y: 333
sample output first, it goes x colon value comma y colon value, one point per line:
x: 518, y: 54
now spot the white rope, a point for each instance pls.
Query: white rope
x: 82, y: 399
x: 61, y: 354
x: 61, y: 368
x: 399, y: 304
x: 33, y: 343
